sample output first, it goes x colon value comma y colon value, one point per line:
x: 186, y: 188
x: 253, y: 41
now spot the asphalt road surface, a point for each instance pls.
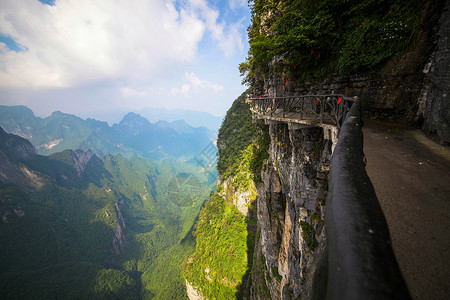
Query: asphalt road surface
x: 411, y: 176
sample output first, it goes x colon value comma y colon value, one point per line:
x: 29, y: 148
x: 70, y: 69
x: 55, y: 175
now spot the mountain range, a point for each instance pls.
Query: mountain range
x: 77, y: 226
x: 193, y: 118
x: 134, y: 134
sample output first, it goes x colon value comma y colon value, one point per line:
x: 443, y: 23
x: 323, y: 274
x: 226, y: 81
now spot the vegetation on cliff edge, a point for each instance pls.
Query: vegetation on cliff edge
x: 314, y: 39
x: 239, y: 140
x: 225, y: 237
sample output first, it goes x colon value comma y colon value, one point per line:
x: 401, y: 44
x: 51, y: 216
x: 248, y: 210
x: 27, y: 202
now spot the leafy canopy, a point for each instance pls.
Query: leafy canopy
x: 317, y: 38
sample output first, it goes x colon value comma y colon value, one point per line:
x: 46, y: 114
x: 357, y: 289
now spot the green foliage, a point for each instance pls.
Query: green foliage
x: 242, y: 144
x: 316, y: 38
x: 166, y: 271
x: 309, y: 235
x: 220, y: 259
x: 117, y: 284
x: 243, y: 178
x: 225, y: 238
x: 62, y: 281
x: 234, y: 136
x: 70, y: 222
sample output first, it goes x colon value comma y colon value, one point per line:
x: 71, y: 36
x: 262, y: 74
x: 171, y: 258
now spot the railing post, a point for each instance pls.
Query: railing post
x: 272, y: 106
x: 322, y: 104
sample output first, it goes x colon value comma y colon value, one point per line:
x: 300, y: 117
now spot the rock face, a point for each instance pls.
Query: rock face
x: 118, y: 241
x: 80, y: 160
x: 193, y: 293
x: 290, y: 211
x: 16, y: 147
x: 434, y: 102
x: 13, y: 151
x: 241, y: 198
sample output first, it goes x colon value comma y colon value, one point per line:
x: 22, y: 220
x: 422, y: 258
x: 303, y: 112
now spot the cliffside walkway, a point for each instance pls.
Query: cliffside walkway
x: 358, y: 261
x: 326, y: 111
x: 411, y: 177
x: 408, y: 192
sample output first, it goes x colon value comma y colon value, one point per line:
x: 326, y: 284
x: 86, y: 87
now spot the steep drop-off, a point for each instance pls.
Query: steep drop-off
x: 391, y: 54
x: 277, y: 202
x: 290, y: 210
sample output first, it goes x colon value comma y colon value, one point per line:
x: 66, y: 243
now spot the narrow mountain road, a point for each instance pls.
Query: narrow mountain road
x: 411, y: 176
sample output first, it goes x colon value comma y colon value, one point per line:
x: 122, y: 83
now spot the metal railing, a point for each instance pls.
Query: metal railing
x: 357, y: 260
x: 316, y: 109
x: 361, y: 262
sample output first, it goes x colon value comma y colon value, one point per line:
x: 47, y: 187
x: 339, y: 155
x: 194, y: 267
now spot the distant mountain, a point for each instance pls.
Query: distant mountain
x: 77, y: 226
x: 14, y: 149
x: 193, y: 118
x: 133, y: 135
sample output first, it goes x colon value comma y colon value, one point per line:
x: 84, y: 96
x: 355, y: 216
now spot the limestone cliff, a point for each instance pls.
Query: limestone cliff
x: 118, y: 241
x: 80, y: 160
x: 281, y: 194
x: 290, y: 210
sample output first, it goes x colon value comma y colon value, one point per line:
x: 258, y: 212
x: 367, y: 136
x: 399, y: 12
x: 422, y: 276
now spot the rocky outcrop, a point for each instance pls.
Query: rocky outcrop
x: 16, y: 147
x: 241, y: 198
x: 290, y: 211
x: 434, y: 102
x: 14, y: 151
x: 193, y: 293
x: 118, y: 242
x: 81, y: 159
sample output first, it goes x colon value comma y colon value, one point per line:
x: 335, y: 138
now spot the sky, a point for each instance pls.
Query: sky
x: 88, y: 57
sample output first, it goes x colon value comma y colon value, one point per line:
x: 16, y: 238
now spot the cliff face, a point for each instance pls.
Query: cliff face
x: 282, y: 197
x: 81, y: 159
x: 434, y: 102
x: 290, y: 210
x: 15, y: 150
x: 118, y: 241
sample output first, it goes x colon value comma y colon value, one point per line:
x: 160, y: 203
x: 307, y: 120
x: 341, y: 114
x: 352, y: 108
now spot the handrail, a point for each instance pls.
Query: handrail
x: 361, y: 262
x: 357, y: 260
x: 330, y: 108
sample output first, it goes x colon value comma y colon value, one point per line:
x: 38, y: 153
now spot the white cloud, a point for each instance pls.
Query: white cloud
x: 80, y: 42
x: 204, y: 84
x: 128, y: 92
x: 184, y: 90
x: 234, y: 4
x: 193, y: 85
x: 227, y: 36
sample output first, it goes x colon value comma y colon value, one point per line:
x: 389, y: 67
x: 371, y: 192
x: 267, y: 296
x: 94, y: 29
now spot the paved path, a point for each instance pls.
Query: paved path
x: 411, y: 176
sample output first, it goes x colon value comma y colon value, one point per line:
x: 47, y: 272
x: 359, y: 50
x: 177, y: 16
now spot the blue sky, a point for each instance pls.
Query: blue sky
x: 83, y: 56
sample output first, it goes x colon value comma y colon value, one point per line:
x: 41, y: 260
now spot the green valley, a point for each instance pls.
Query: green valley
x: 76, y: 226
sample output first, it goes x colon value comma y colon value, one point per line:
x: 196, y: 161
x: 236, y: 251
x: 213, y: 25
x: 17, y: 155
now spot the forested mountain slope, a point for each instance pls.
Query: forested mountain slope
x: 76, y: 226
